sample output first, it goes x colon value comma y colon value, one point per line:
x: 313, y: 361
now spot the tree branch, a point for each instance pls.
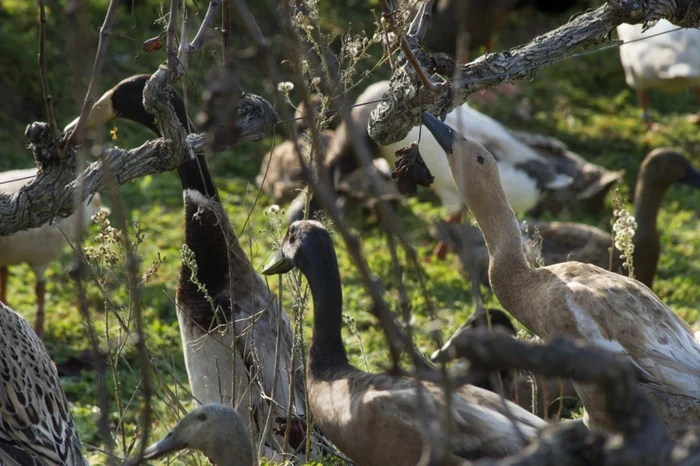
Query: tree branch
x: 50, y: 194
x: 641, y: 436
x: 392, y: 120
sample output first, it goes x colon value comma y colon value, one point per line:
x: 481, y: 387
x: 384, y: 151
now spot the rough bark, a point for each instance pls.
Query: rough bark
x: 51, y: 193
x: 393, y: 119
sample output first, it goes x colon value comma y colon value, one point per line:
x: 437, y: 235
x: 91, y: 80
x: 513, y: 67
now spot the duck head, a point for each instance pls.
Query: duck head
x: 474, y: 169
x: 125, y: 100
x: 304, y: 240
x: 664, y: 167
x: 214, y: 429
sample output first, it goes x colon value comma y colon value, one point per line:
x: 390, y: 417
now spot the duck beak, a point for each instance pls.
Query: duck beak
x: 166, y: 445
x: 279, y: 264
x: 443, y: 134
x: 101, y: 112
x: 692, y: 178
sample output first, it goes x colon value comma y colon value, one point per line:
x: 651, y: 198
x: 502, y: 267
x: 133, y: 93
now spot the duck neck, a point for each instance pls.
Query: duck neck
x: 647, y: 202
x: 321, y: 271
x: 509, y: 271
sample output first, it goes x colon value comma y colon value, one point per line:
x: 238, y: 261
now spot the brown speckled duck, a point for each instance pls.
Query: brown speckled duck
x: 36, y: 425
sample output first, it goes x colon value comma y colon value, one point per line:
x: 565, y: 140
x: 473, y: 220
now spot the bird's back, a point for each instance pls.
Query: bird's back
x: 37, y: 426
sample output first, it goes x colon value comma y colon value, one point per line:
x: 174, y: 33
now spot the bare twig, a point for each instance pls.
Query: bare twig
x: 77, y: 135
x: 48, y: 99
x: 199, y: 38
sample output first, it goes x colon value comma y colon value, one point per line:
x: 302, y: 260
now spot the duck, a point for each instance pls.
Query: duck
x: 549, y: 397
x: 214, y: 429
x: 529, y: 177
x: 228, y: 359
x: 563, y: 241
x: 38, y: 247
x: 282, y: 180
x: 661, y: 57
x: 37, y: 426
x: 578, y: 300
x: 374, y: 418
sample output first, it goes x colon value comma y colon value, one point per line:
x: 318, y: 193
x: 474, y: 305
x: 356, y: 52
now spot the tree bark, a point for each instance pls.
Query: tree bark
x: 392, y: 120
x: 52, y: 192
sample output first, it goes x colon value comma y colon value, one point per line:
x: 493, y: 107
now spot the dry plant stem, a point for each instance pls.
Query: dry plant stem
x: 48, y: 99
x: 226, y: 32
x: 392, y: 120
x: 199, y: 38
x: 77, y: 136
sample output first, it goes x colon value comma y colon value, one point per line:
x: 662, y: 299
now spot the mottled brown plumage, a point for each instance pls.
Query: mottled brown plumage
x: 36, y: 425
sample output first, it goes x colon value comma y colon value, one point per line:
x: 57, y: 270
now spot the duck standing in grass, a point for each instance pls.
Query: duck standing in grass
x: 663, y: 57
x: 578, y: 300
x: 234, y: 332
x: 375, y: 418
x: 40, y: 246
x: 36, y: 425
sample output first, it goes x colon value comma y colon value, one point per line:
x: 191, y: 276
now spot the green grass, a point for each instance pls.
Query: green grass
x: 584, y: 102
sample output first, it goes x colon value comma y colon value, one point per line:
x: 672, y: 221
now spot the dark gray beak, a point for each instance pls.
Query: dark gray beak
x: 443, y: 134
x: 279, y: 264
x: 692, y: 178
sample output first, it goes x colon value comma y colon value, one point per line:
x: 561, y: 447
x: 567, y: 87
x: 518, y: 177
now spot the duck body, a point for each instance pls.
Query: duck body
x: 668, y: 61
x: 37, y: 427
x: 532, y: 168
x: 578, y: 300
x: 38, y: 247
x: 375, y: 418
x: 237, y: 339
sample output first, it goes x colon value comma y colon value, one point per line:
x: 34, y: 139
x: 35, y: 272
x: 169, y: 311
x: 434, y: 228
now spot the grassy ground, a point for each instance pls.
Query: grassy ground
x: 584, y: 102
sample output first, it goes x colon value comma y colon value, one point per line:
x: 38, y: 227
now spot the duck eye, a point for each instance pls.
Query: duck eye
x: 202, y: 417
x: 480, y: 159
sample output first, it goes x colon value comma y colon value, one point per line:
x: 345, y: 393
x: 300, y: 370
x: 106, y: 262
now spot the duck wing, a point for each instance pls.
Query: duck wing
x: 623, y: 315
x: 36, y: 425
x: 481, y: 425
x: 590, y: 184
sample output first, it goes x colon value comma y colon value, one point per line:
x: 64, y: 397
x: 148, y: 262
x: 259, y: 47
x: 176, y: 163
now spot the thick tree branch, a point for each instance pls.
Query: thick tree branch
x: 391, y: 120
x: 50, y: 194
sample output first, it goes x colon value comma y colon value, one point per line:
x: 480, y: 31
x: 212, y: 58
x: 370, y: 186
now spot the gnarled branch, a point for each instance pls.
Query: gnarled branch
x: 51, y: 193
x: 393, y: 119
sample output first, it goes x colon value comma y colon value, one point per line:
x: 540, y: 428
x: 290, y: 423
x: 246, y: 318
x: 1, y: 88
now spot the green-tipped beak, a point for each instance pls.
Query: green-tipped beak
x: 100, y: 113
x: 692, y: 178
x: 278, y: 264
x: 443, y: 134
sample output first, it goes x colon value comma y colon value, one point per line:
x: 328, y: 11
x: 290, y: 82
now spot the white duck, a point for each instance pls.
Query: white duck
x: 37, y: 247
x: 36, y: 425
x: 660, y: 58
x: 578, y: 300
x: 526, y: 175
